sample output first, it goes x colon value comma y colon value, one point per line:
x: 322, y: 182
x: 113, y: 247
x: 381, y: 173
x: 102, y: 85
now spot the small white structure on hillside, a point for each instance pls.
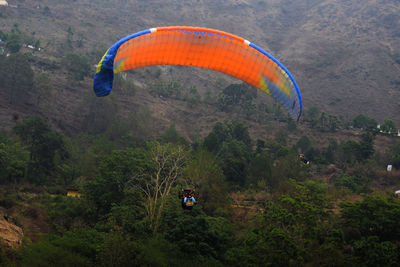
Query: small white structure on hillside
x: 3, y: 3
x: 389, y: 168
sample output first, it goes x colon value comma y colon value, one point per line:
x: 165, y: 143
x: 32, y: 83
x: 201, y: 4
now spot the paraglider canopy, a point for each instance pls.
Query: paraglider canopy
x: 200, y: 47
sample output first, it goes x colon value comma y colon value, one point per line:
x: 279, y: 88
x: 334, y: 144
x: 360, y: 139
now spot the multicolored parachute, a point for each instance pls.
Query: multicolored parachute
x: 200, y: 47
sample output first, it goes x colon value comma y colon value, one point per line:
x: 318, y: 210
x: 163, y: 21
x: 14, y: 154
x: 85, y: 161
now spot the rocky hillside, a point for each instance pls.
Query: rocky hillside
x: 345, y: 55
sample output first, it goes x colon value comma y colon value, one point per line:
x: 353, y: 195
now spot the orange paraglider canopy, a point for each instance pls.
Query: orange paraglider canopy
x: 200, y: 47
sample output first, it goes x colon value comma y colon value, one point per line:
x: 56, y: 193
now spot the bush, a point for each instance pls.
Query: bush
x: 364, y: 122
x: 356, y: 184
x: 77, y: 66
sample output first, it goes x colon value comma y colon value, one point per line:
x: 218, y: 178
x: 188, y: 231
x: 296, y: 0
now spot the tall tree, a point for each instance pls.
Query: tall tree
x: 389, y: 126
x: 13, y: 162
x: 43, y: 144
x: 116, y: 177
x: 17, y: 78
x: 260, y: 169
x: 394, y: 153
x: 235, y: 157
x: 205, y: 173
x: 366, y: 145
x: 169, y: 161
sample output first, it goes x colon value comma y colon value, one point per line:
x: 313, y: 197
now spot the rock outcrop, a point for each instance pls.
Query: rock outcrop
x: 10, y: 234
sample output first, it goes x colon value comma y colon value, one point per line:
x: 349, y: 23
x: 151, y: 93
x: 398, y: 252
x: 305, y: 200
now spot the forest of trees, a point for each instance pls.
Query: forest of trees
x: 129, y: 213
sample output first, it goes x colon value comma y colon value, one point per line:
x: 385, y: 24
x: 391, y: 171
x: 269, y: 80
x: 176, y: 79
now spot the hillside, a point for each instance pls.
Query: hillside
x: 103, y: 181
x: 344, y: 55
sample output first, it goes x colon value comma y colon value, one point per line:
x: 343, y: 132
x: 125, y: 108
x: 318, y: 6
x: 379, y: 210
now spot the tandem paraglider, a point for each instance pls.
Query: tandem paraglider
x: 205, y: 48
x: 187, y: 197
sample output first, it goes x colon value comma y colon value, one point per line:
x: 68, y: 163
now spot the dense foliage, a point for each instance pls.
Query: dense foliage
x: 129, y: 213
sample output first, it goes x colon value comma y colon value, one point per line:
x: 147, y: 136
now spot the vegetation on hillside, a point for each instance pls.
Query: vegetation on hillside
x: 129, y: 213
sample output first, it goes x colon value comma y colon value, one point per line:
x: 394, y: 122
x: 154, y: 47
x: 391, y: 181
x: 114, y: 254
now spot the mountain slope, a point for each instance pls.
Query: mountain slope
x: 344, y: 55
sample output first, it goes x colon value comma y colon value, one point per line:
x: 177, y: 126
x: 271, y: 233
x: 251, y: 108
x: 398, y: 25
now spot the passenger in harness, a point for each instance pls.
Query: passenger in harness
x: 188, y: 200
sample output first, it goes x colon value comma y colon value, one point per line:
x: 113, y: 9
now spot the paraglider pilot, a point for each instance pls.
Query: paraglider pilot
x: 304, y: 160
x: 187, y: 196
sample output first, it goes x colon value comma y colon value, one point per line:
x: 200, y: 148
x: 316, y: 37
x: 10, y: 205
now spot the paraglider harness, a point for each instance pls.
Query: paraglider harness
x: 187, y: 196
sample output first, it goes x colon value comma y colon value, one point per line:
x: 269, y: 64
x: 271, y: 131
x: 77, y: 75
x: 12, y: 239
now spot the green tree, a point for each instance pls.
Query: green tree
x: 240, y: 132
x: 120, y: 250
x: 90, y: 158
x: 78, y: 248
x: 204, y: 172
x: 70, y: 34
x: 291, y: 229
x: 130, y: 216
x: 260, y: 168
x: 276, y: 149
x: 359, y: 151
x: 3, y: 36
x: 364, y: 122
x: 13, y: 42
x: 196, y: 235
x: 288, y: 167
x: 374, y: 216
x: 140, y: 123
x: 312, y: 114
x: 42, y: 88
x: 16, y: 76
x: 193, y: 96
x: 249, y: 108
x: 366, y: 145
x: 371, y: 227
x: 98, y: 115
x: 292, y: 126
x: 225, y: 132
x: 273, y: 247
x: 368, y: 251
x: 389, y: 127
x: 171, y: 136
x: 234, y: 155
x: 170, y: 89
x: 43, y: 145
x: 13, y: 162
x: 68, y: 170
x: 304, y: 144
x: 213, y: 141
x: 117, y: 174
x: 281, y: 137
x: 331, y: 152
x: 68, y: 213
x: 236, y: 95
x: 78, y: 66
x: 394, y: 154
x: 333, y: 122
x: 356, y: 183
x: 350, y: 151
